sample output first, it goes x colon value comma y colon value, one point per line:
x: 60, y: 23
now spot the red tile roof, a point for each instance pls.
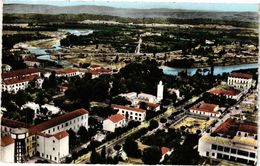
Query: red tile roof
x: 67, y: 71
x: 58, y: 120
x: 61, y: 135
x: 225, y: 92
x: 115, y: 106
x: 164, y: 150
x: 224, y: 128
x: 94, y: 66
x: 13, y: 123
x: 116, y: 118
x: 100, y: 71
x: 151, y: 105
x: 205, y: 107
x: 20, y: 80
x: 249, y: 128
x: 32, y: 60
x: 241, y: 75
x: 20, y: 72
x: 6, y: 140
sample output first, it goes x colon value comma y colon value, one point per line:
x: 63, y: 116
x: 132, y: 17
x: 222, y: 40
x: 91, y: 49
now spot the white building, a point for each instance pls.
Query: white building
x: 7, y: 149
x: 160, y: 91
x: 69, y: 73
x: 147, y: 98
x: 131, y: 96
x: 232, y: 141
x: 150, y: 106
x: 19, y: 79
x: 206, y: 109
x: 240, y: 80
x: 32, y: 62
x: 130, y: 112
x: 113, y: 122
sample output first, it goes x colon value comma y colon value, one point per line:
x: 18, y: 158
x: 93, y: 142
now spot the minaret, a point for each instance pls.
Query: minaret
x: 160, y: 91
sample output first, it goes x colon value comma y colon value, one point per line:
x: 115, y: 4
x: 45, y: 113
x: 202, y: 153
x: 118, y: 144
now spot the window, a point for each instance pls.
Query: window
x: 131, y: 113
x: 66, y: 124
x: 55, y: 158
x: 123, y: 111
x: 226, y: 149
x: 58, y: 127
x: 214, y: 147
x: 252, y: 155
x: 53, y: 149
x: 140, y: 114
x: 47, y: 156
x: 207, y: 153
x: 136, y: 114
x: 243, y: 153
x: 49, y: 131
x: 53, y: 141
x: 135, y: 118
x: 42, y: 154
x: 220, y: 148
x: 213, y: 154
x: 139, y: 118
x: 82, y: 118
x: 53, y: 129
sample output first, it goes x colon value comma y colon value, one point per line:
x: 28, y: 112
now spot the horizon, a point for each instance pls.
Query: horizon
x: 221, y: 7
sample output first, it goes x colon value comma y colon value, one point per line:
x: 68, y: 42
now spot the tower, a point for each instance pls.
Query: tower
x: 19, y: 135
x: 160, y: 91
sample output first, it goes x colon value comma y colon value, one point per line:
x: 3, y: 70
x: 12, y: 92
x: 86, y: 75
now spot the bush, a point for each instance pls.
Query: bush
x: 163, y: 120
x: 153, y: 125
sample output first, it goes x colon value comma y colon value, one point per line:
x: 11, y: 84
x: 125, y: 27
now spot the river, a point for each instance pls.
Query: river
x: 217, y: 69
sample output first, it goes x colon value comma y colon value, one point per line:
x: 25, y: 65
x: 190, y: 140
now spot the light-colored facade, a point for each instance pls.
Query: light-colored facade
x: 147, y: 98
x: 240, y: 80
x: 160, y: 91
x: 206, y: 109
x: 69, y: 73
x: 7, y: 149
x: 130, y: 113
x: 113, y: 122
x: 232, y: 140
x: 32, y: 62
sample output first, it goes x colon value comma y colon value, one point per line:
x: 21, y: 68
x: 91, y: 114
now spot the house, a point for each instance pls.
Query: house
x: 14, y: 81
x: 228, y: 92
x: 32, y: 62
x: 147, y: 98
x: 98, y: 71
x: 165, y: 152
x: 130, y: 113
x: 113, y: 122
x: 68, y: 73
x: 7, y: 149
x: 232, y: 140
x: 240, y: 80
x: 149, y: 106
x: 206, y: 109
x: 48, y: 140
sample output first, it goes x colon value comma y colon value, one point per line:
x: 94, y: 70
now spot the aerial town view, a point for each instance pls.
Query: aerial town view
x: 146, y: 83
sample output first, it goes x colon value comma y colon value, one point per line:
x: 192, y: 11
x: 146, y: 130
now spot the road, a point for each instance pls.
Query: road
x: 85, y: 158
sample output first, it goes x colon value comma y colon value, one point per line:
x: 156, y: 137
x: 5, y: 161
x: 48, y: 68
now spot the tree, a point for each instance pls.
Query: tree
x: 103, y: 155
x: 163, y: 120
x: 21, y: 98
x: 83, y: 133
x: 121, y: 101
x: 151, y: 156
x: 131, y: 148
x: 72, y: 138
x: 94, y: 157
x: 74, y: 156
x: 153, y: 125
x: 117, y: 147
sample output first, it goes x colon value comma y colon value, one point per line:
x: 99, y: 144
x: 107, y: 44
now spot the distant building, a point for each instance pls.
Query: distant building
x: 147, y: 98
x: 228, y: 92
x: 130, y: 113
x: 68, y: 73
x: 96, y: 71
x: 240, y: 80
x: 206, y: 109
x: 113, y: 122
x: 6, y: 68
x: 19, y: 79
x: 232, y: 140
x: 131, y: 96
x: 32, y: 62
x: 150, y: 106
x: 176, y: 91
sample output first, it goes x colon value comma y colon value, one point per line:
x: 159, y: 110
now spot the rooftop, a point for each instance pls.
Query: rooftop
x: 164, y: 150
x: 225, y: 91
x: 58, y: 120
x: 205, y: 107
x: 61, y: 135
x: 116, y: 118
x: 115, y: 106
x: 66, y: 71
x: 151, y: 105
x: 20, y: 72
x: 20, y: 79
x: 6, y: 140
x: 13, y: 123
x: 241, y: 75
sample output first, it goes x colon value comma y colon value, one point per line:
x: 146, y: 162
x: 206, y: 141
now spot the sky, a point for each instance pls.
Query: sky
x: 253, y: 7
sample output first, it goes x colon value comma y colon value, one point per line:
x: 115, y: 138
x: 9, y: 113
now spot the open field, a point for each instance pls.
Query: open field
x: 193, y: 124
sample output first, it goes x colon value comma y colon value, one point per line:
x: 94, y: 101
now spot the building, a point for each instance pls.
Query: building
x: 48, y: 140
x: 7, y: 149
x: 17, y: 80
x: 147, y: 98
x: 6, y: 68
x: 206, y: 109
x: 130, y: 113
x: 240, y: 80
x: 232, y: 140
x: 68, y: 73
x: 131, y: 96
x: 228, y: 92
x: 165, y: 152
x: 160, y: 91
x: 176, y: 91
x: 149, y: 106
x: 32, y: 62
x: 98, y: 71
x: 113, y: 122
